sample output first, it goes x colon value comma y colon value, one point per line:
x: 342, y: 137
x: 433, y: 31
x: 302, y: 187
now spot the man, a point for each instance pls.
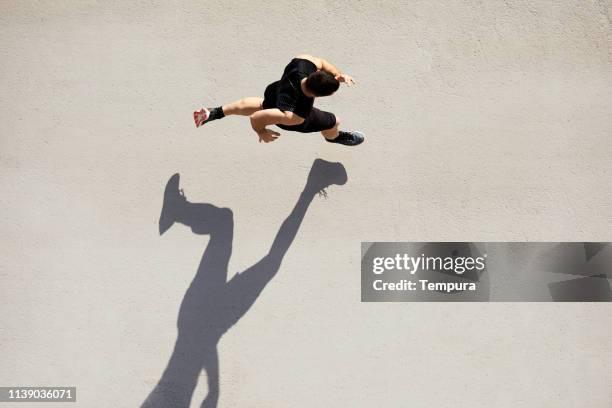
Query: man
x: 288, y: 103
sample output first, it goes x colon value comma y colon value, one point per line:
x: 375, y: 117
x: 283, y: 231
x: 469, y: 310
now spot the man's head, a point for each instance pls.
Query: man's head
x: 321, y: 83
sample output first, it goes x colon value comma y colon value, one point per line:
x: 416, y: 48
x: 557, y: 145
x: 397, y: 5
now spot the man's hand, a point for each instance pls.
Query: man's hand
x: 267, y: 135
x: 266, y: 117
x: 347, y: 79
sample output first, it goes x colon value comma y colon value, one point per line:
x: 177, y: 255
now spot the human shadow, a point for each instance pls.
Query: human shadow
x: 212, y: 304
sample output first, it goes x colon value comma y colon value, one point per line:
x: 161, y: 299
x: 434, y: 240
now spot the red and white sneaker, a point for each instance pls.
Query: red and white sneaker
x: 200, y: 117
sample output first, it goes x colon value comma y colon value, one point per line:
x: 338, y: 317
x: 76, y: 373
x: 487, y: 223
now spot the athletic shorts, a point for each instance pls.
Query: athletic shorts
x: 316, y: 121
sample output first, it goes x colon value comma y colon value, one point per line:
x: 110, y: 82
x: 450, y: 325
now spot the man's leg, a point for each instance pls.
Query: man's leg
x: 243, y: 107
x: 329, y: 125
x: 348, y: 138
x: 331, y: 134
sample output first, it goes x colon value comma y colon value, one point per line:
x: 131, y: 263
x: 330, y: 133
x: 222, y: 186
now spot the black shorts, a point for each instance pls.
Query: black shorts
x: 316, y: 121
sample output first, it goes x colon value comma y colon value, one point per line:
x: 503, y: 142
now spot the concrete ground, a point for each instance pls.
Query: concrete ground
x: 485, y: 121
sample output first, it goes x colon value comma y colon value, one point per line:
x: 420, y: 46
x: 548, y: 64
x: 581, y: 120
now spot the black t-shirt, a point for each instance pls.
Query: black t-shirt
x: 289, y: 95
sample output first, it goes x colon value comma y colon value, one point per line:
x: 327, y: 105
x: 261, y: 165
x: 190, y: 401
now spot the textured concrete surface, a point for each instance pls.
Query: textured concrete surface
x: 486, y: 121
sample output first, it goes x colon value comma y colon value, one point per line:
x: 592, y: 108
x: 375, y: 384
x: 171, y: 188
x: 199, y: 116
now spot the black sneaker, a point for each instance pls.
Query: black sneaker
x: 351, y: 138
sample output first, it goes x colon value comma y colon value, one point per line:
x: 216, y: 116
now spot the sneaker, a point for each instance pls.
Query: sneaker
x: 350, y: 138
x: 200, y: 117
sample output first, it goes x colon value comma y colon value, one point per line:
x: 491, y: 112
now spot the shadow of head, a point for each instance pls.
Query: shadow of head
x: 323, y: 174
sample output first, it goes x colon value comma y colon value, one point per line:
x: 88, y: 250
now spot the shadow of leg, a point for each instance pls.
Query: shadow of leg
x: 201, y: 315
x: 211, y: 366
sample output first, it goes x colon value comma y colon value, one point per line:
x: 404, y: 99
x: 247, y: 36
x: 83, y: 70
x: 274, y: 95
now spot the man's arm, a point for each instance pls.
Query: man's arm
x: 321, y: 64
x: 324, y: 65
x: 265, y: 117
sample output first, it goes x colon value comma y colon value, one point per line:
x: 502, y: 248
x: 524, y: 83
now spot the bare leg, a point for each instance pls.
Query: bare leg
x: 331, y: 134
x: 243, y: 107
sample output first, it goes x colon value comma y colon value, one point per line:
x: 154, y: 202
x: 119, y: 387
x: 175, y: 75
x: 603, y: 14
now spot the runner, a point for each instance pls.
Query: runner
x: 288, y: 103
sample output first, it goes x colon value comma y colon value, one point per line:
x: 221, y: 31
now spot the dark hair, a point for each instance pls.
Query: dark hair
x: 322, y: 83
